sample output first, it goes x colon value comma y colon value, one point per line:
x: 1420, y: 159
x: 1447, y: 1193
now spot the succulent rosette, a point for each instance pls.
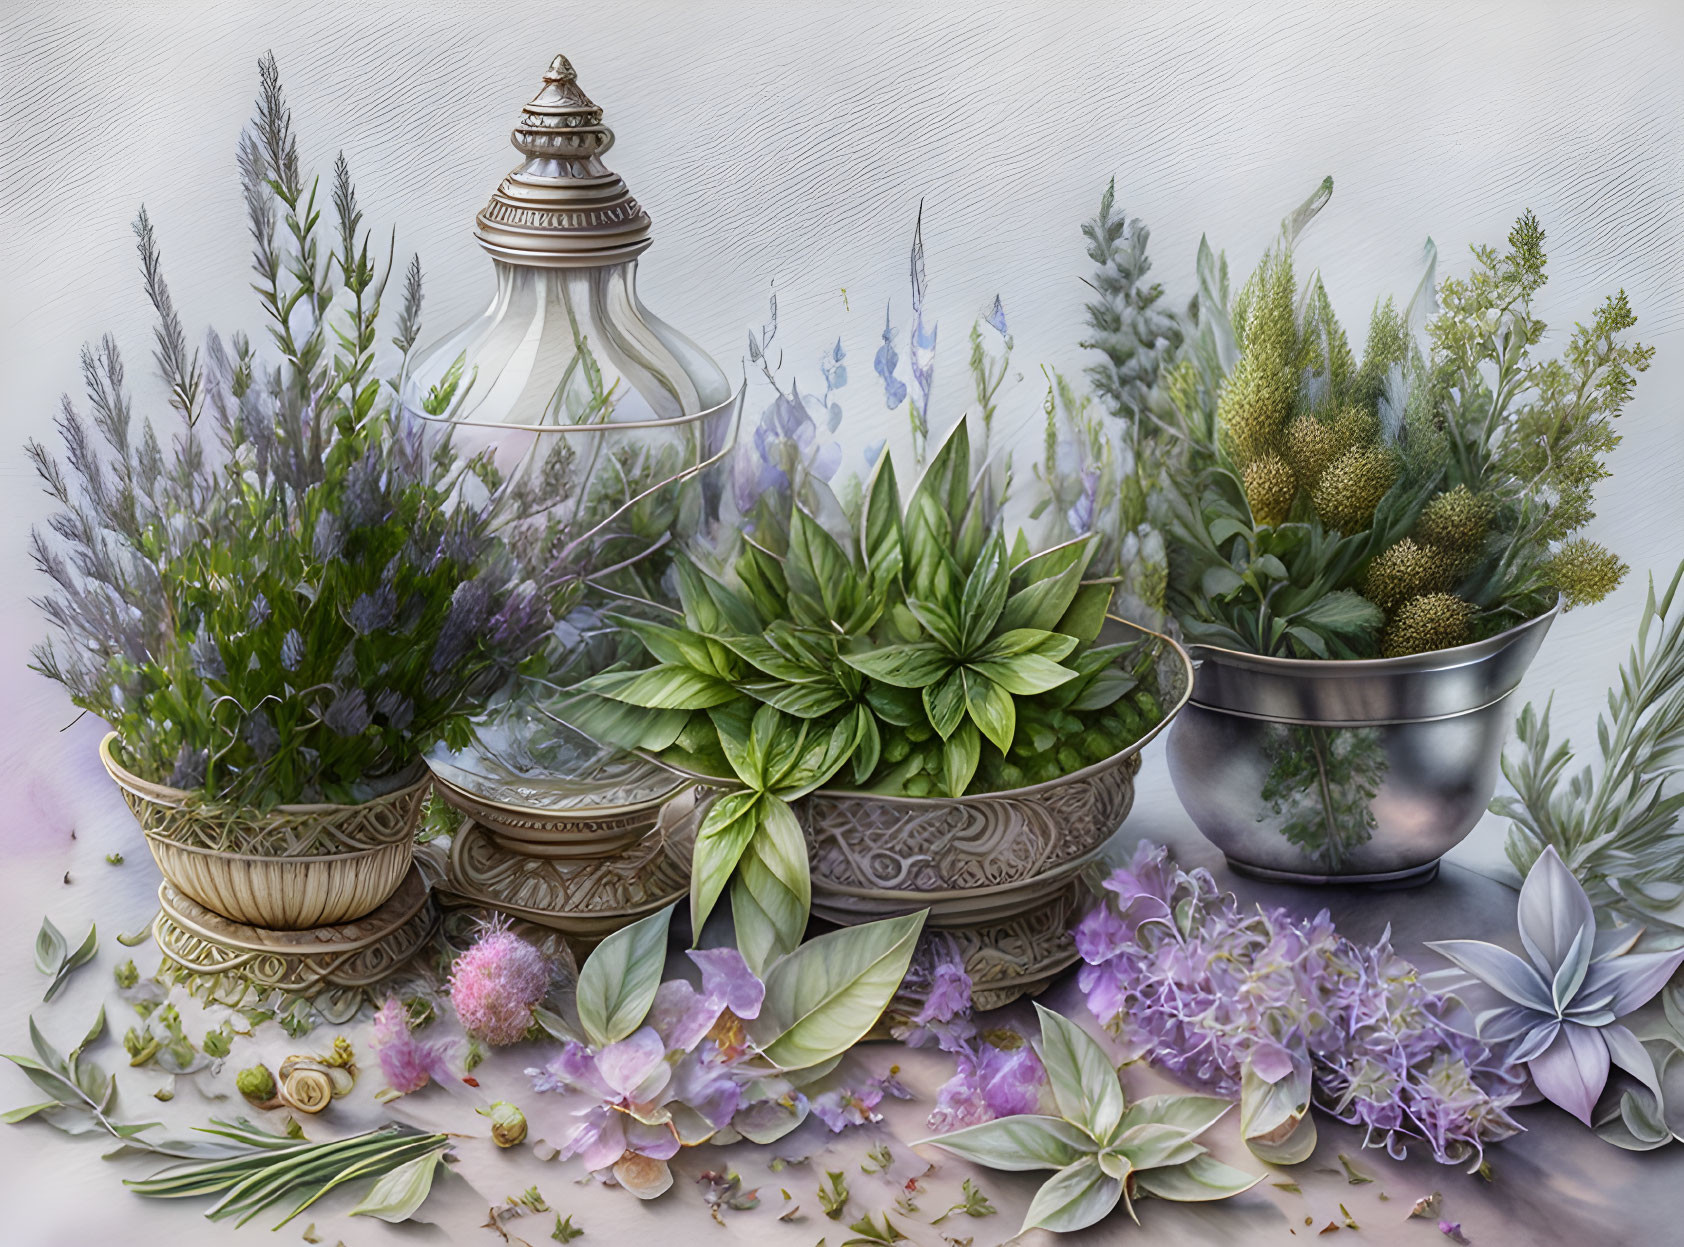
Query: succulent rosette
x: 1557, y: 1010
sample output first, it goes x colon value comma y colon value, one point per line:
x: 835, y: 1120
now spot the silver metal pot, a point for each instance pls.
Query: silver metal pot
x: 1368, y: 771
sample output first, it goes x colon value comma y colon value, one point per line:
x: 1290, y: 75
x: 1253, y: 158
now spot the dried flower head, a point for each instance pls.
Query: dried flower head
x: 1584, y: 571
x: 1455, y: 521
x: 1432, y: 621
x: 408, y: 1063
x: 1310, y: 445
x: 496, y: 984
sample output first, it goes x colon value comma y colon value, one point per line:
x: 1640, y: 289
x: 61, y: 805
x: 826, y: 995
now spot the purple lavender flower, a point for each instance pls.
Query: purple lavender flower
x: 292, y: 650
x: 469, y: 606
x: 396, y: 709
x: 997, y: 317
x: 842, y: 1107
x: 258, y: 613
x: 990, y: 1082
x: 207, y: 658
x: 894, y: 389
x: 260, y: 735
x: 347, y: 714
x: 328, y: 541
x: 190, y: 764
x: 373, y: 611
x: 1212, y: 987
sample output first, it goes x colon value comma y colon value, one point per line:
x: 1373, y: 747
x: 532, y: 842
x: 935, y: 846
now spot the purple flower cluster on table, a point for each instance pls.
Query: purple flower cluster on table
x: 1197, y: 985
x: 998, y: 1073
x: 408, y: 1063
x: 687, y: 1076
x: 496, y: 985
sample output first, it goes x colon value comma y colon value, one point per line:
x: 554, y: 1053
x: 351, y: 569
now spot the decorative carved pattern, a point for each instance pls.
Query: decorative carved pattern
x: 337, y: 967
x: 867, y: 843
x: 185, y: 818
x: 582, y: 896
x: 1023, y: 954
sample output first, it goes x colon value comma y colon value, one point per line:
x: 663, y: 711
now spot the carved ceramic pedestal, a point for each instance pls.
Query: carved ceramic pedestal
x: 337, y: 967
x: 583, y: 872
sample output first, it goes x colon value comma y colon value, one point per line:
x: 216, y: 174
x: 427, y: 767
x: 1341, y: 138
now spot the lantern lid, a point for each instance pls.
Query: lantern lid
x: 562, y: 208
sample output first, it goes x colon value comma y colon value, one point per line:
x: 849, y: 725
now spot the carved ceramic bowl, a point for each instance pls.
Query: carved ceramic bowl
x: 289, y: 868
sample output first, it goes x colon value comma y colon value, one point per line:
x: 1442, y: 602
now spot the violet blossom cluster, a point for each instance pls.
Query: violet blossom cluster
x: 1198, y: 986
x: 998, y: 1073
x: 688, y: 1075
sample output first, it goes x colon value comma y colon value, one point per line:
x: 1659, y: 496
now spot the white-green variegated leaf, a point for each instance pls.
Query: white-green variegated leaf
x: 1019, y: 1143
x: 400, y: 1193
x: 1074, y: 1198
x: 1202, y: 1178
x: 618, y: 981
x: 1084, y: 1082
x: 772, y: 892
x: 823, y: 997
x: 1275, y: 1118
x: 665, y: 688
x: 1191, y: 1113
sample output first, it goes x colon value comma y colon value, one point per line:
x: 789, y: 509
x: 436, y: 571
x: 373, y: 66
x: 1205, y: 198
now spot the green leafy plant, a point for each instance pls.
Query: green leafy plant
x: 274, y: 1168
x: 293, y: 594
x: 1320, y: 506
x: 54, y: 956
x: 918, y: 654
x: 1103, y: 1149
x: 1614, y: 823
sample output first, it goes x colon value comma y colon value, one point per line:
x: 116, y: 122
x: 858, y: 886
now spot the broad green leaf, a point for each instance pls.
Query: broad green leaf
x: 13, y: 1116
x: 1193, y: 1114
x: 1025, y: 675
x: 944, y: 701
x: 959, y: 759
x: 1202, y: 1178
x: 615, y: 723
x: 944, y: 624
x: 49, y: 1055
x: 804, y: 700
x: 1342, y: 612
x: 84, y: 953
x: 1074, y: 1198
x: 1219, y: 580
x: 900, y: 707
x: 50, y: 947
x: 1084, y: 1083
x: 827, y: 747
x: 911, y: 665
x: 92, y: 1036
x: 880, y: 530
x: 673, y: 646
x: 992, y: 710
x: 1086, y: 616
x: 1008, y: 645
x: 1103, y: 690
x: 984, y: 594
x: 1044, y: 586
x: 665, y: 688
x: 868, y: 746
x: 772, y: 893
x: 1018, y: 1143
x: 760, y: 653
x: 398, y: 1194
x: 817, y: 567
x: 824, y: 996
x: 733, y: 726
x: 1116, y: 1164
x: 1155, y: 1145
x: 618, y: 980
x: 726, y: 830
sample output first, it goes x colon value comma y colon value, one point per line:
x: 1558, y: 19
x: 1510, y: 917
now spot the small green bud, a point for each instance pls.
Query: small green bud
x: 126, y: 975
x: 256, y: 1084
x: 508, y: 1123
x: 216, y: 1044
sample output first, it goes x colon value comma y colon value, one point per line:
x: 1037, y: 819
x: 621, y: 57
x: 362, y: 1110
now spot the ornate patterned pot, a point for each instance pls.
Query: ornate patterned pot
x: 998, y: 871
x: 291, y: 868
x: 1316, y: 771
x: 580, y: 844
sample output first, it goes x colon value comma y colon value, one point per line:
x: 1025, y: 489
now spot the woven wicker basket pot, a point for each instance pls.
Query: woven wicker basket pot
x: 290, y: 868
x: 998, y: 871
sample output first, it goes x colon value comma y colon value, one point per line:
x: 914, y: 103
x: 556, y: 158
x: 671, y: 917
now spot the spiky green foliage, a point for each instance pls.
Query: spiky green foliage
x: 1615, y: 821
x: 913, y: 652
x: 1464, y: 442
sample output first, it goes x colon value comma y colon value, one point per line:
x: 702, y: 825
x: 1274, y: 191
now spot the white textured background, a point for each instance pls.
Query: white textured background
x: 787, y: 146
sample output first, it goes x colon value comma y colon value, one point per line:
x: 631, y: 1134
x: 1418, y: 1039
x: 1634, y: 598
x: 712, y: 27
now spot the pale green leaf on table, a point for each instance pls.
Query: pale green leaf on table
x: 398, y: 1195
x: 1083, y: 1081
x: 1203, y: 1178
x: 618, y: 981
x: 1019, y: 1143
x: 1077, y: 1196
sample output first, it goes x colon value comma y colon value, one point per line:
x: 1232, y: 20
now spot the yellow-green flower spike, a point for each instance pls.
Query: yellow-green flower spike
x: 1310, y: 445
x: 1432, y: 621
x: 1584, y: 571
x: 1455, y: 521
x: 1406, y: 570
x: 1352, y: 487
x: 1269, y: 490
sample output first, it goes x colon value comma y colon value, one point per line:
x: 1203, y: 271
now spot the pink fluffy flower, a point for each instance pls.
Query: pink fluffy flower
x: 496, y: 984
x: 408, y: 1063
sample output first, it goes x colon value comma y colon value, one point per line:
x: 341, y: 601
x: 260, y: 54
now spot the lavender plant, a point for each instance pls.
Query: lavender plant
x: 1557, y: 1011
x: 664, y: 1066
x: 1104, y: 1150
x: 293, y: 595
x: 1286, y: 1012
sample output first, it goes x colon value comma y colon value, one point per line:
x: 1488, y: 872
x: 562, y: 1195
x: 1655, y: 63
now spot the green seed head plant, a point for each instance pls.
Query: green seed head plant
x: 1318, y: 505
x: 914, y: 652
x: 294, y: 594
x: 1102, y: 1149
